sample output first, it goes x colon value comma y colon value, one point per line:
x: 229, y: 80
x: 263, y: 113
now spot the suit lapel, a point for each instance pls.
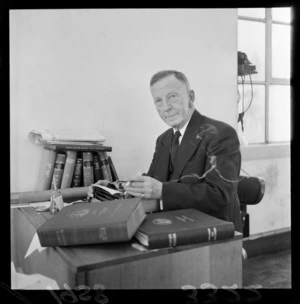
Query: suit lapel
x: 189, y: 144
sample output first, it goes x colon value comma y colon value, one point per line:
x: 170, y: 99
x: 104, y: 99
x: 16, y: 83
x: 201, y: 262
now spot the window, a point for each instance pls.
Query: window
x: 264, y: 34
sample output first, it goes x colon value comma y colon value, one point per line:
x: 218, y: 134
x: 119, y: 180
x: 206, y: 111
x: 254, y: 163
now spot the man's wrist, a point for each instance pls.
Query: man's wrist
x: 151, y: 205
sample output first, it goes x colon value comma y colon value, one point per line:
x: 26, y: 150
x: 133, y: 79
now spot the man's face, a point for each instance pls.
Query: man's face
x: 173, y: 101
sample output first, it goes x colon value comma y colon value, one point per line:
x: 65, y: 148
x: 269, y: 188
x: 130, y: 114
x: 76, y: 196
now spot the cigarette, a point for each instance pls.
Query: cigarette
x: 127, y: 184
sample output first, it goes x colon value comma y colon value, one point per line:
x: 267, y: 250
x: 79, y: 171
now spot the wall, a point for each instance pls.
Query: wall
x: 274, y: 210
x: 91, y: 68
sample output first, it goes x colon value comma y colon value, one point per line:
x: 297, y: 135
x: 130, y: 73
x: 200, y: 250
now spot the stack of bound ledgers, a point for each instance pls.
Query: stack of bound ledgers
x: 122, y: 219
x: 75, y: 158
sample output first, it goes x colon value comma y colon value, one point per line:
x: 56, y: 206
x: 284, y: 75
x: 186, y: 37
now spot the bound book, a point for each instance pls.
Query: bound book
x: 97, y: 168
x: 59, y: 167
x: 77, y: 176
x: 46, y: 170
x: 182, y: 227
x: 105, y: 166
x: 69, y: 169
x: 113, y: 171
x: 88, y: 170
x: 78, y: 147
x: 93, y: 223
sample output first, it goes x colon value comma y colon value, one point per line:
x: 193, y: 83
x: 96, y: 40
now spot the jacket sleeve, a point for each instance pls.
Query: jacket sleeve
x: 151, y: 168
x: 215, y: 191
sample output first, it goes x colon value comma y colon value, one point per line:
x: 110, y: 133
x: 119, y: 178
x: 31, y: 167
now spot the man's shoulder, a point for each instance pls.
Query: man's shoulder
x: 218, y: 125
x: 162, y: 137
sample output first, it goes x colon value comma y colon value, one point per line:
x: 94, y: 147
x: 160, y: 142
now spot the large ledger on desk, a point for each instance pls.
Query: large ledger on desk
x: 182, y: 227
x: 93, y: 223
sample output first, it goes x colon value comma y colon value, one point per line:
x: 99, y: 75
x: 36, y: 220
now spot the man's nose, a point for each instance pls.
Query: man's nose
x: 166, y: 105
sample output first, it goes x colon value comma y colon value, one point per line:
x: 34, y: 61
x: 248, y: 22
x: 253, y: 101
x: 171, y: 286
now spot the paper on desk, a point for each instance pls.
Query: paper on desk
x: 142, y: 248
x: 41, y: 136
x: 34, y: 245
x: 37, y: 204
x: 32, y: 281
x: 40, y: 204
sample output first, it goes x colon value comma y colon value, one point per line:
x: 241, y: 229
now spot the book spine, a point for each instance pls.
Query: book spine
x: 82, y: 236
x: 113, y: 171
x: 87, y: 148
x: 59, y: 168
x: 88, y: 170
x: 97, y: 168
x: 185, y: 237
x: 77, y: 176
x: 105, y: 166
x: 136, y: 219
x: 46, y: 170
x: 69, y: 169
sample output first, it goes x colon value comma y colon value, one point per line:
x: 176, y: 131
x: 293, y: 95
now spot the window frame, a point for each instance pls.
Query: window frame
x: 269, y: 80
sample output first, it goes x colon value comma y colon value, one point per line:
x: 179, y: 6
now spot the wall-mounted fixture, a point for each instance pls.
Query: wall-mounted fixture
x: 245, y: 67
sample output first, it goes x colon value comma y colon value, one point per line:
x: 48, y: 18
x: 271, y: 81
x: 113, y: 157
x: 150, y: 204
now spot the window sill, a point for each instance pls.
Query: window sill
x: 252, y: 152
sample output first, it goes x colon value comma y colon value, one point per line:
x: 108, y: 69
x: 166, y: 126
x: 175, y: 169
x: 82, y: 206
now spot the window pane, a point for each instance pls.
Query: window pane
x: 254, y: 118
x: 281, y: 14
x: 252, y: 12
x: 251, y: 40
x: 281, y: 51
x: 279, y: 113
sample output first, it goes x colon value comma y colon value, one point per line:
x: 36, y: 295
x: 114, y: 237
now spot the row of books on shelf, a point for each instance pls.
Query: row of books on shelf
x: 75, y: 166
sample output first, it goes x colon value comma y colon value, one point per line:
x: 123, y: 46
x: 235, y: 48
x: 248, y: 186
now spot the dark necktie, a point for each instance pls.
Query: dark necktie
x: 175, y: 146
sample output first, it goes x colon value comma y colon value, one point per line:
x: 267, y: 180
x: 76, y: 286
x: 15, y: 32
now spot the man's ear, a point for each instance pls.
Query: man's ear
x: 192, y: 97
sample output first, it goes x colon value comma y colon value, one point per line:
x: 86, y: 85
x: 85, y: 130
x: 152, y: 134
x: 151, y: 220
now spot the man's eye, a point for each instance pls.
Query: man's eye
x: 172, y: 96
x: 158, y: 102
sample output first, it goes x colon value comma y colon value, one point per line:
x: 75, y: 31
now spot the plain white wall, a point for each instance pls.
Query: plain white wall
x: 91, y: 68
x: 274, y: 211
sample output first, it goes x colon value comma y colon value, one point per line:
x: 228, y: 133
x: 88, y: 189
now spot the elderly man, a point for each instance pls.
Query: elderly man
x: 197, y: 161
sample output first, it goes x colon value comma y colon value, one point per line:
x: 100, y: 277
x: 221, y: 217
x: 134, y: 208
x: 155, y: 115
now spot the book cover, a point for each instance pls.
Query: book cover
x: 97, y: 168
x: 113, y: 171
x: 78, y: 147
x: 69, y: 169
x: 46, y: 170
x: 88, y: 170
x: 105, y: 166
x: 77, y: 175
x: 59, y: 168
x: 182, y: 227
x: 93, y: 223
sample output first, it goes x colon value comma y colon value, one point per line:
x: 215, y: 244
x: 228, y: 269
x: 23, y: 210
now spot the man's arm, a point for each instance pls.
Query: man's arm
x: 214, y: 191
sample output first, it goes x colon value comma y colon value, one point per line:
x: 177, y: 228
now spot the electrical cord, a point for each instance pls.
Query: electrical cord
x: 241, y: 115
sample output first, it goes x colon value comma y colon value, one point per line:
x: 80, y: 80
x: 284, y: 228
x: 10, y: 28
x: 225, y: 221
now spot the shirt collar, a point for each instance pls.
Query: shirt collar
x: 182, y: 130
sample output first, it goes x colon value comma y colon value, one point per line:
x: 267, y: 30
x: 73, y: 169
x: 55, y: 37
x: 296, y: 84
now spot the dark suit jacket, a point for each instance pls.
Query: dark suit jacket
x: 206, y: 170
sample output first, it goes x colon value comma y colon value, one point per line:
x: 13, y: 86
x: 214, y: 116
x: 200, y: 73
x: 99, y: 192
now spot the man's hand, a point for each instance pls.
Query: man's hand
x: 144, y: 186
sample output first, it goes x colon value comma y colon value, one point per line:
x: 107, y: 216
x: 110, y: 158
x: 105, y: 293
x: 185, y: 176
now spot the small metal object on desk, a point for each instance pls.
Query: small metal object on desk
x: 42, y: 208
x: 53, y: 207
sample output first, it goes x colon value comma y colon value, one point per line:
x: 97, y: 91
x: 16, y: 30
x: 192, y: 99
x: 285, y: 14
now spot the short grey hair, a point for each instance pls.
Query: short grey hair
x: 165, y: 73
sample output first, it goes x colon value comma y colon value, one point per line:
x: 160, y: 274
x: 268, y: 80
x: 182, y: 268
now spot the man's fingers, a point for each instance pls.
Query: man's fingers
x: 137, y: 178
x: 135, y: 189
x: 90, y: 191
x: 136, y: 194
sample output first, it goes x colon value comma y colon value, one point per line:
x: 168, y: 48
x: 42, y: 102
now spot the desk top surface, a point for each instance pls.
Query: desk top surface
x: 86, y: 257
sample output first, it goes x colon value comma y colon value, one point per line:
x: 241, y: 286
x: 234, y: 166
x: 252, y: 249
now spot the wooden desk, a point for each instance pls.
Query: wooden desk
x: 122, y: 266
